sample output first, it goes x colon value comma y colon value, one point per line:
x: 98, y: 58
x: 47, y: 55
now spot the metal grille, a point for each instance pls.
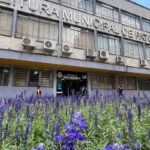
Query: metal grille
x: 102, y: 81
x: 32, y: 77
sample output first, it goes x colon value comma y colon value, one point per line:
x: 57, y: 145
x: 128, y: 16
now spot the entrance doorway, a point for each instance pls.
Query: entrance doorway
x: 69, y: 83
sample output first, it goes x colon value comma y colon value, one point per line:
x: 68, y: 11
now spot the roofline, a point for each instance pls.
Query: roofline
x: 138, y: 4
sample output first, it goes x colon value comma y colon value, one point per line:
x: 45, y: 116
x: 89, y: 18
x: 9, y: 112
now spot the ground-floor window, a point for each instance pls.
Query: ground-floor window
x: 127, y: 82
x: 144, y: 84
x: 32, y: 77
x: 102, y: 81
x: 4, y: 76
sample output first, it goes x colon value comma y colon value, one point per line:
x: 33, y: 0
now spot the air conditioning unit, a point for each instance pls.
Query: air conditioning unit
x: 104, y: 55
x: 143, y: 62
x: 67, y: 49
x: 91, y: 53
x: 28, y: 42
x: 119, y: 59
x: 50, y: 45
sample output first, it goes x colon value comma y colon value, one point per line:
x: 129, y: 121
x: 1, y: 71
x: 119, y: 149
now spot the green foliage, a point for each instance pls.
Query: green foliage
x: 97, y: 135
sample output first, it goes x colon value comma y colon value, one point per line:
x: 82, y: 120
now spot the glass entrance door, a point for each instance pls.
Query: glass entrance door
x: 69, y: 83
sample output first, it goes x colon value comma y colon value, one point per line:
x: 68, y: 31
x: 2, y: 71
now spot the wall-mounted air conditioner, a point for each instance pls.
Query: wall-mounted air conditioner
x: 67, y: 49
x: 50, y: 45
x: 91, y: 53
x: 119, y: 59
x: 143, y: 62
x: 104, y: 55
x: 28, y: 42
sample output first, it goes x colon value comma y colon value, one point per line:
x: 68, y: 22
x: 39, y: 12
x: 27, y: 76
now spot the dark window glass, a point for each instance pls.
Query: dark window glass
x: 34, y: 78
x: 4, y: 76
x: 144, y: 84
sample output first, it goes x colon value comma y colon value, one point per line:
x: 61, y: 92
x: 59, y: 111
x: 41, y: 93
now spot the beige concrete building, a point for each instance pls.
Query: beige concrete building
x: 83, y: 45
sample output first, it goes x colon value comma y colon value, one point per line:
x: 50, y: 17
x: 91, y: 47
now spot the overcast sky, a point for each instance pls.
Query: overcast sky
x: 145, y: 3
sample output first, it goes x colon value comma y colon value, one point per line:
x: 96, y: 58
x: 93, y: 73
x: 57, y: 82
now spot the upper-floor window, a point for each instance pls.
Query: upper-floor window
x: 107, y: 12
x: 130, y: 20
x: 133, y: 49
x: 78, y: 37
x: 5, y: 22
x: 146, y: 25
x: 85, y: 5
x: 37, y: 28
x: 109, y: 43
x: 147, y: 48
x: 4, y: 76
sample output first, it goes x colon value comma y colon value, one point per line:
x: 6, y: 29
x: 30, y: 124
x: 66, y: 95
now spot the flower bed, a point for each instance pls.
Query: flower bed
x: 82, y: 123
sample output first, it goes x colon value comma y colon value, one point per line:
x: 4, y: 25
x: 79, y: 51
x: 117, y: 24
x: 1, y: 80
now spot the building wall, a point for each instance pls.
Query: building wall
x: 81, y: 30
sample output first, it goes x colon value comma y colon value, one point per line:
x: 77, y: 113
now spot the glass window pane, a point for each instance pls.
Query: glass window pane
x: 34, y: 78
x: 4, y: 76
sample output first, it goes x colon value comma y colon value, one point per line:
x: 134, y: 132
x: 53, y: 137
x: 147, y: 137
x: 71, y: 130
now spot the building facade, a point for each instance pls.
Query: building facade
x: 80, y: 45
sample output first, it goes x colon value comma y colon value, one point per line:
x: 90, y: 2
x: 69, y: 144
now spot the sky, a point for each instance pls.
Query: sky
x: 145, y: 3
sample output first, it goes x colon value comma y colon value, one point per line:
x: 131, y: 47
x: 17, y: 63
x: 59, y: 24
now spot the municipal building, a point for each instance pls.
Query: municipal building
x: 65, y: 45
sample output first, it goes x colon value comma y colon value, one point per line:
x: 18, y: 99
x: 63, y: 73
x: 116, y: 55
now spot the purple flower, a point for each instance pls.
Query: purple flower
x: 109, y: 147
x: 82, y: 124
x: 40, y: 146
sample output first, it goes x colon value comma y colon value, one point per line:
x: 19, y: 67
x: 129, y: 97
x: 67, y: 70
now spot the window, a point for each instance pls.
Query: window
x: 102, y: 81
x: 144, y: 84
x: 4, y: 76
x: 20, y: 77
x: 130, y: 20
x: 34, y: 78
x: 147, y: 51
x: 146, y: 25
x: 5, y: 22
x: 127, y: 83
x: 46, y: 79
x: 37, y: 28
x: 133, y: 49
x: 109, y: 43
x: 86, y: 5
x: 107, y: 12
x: 79, y: 37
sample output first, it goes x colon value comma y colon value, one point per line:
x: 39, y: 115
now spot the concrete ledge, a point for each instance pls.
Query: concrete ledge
x: 37, y: 58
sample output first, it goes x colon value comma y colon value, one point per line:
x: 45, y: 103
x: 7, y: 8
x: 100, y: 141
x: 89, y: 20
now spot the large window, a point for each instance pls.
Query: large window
x: 133, y: 49
x: 20, y: 77
x: 102, y: 81
x: 78, y: 37
x: 32, y: 77
x: 127, y: 83
x: 144, y: 84
x: 146, y: 25
x: 130, y: 20
x: 5, y: 22
x: 37, y: 28
x: 107, y: 12
x: 86, y: 5
x: 109, y: 43
x: 147, y: 48
x: 4, y: 76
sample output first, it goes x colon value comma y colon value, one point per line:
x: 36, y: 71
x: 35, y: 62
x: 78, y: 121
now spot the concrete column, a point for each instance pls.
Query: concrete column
x: 95, y: 40
x: 144, y: 51
x: 94, y: 7
x: 54, y: 82
x: 120, y: 20
x: 14, y: 23
x: 137, y: 84
x: 10, y: 84
x: 89, y: 88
